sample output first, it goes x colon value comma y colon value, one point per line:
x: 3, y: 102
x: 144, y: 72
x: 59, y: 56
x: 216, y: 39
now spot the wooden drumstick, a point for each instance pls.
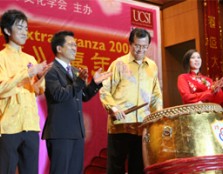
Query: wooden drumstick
x: 134, y: 108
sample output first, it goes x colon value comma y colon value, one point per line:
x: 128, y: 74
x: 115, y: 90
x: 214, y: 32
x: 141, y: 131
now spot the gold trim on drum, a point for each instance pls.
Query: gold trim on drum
x: 182, y: 110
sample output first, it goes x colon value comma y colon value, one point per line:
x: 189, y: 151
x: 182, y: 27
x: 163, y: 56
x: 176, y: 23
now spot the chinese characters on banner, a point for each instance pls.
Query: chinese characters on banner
x: 61, y: 5
x: 213, y: 39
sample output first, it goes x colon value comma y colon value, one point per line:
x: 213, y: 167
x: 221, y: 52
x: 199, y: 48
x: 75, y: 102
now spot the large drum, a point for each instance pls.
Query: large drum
x: 184, y: 139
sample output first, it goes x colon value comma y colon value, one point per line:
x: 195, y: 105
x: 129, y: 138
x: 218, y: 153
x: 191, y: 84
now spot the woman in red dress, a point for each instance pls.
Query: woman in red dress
x: 195, y: 87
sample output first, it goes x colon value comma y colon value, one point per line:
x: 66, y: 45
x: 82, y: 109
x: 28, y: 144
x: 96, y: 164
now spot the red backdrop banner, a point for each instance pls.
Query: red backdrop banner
x: 213, y: 39
x: 101, y: 30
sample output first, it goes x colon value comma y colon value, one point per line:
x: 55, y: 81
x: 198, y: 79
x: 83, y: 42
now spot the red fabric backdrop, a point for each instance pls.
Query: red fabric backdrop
x: 101, y: 29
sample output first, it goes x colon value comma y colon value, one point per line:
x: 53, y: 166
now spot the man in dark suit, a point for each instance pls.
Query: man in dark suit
x: 65, y: 89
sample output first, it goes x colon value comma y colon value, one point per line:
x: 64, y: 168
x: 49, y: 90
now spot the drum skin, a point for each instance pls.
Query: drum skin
x: 184, y: 131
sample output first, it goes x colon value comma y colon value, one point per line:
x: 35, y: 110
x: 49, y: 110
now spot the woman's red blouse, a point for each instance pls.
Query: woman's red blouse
x: 195, y: 88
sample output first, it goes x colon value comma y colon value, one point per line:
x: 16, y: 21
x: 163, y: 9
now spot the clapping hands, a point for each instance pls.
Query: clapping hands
x: 221, y: 83
x: 39, y: 69
x: 83, y: 74
x: 99, y: 76
x: 217, y: 85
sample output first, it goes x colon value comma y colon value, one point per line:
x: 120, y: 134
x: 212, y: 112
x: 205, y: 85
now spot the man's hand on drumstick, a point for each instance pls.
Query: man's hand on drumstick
x: 118, y: 114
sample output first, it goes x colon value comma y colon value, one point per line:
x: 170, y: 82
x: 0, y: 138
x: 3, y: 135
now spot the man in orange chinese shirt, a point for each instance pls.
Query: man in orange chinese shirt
x: 21, y: 79
x: 134, y: 81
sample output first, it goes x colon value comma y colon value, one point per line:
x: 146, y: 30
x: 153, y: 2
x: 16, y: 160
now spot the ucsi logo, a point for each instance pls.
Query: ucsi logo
x: 141, y: 18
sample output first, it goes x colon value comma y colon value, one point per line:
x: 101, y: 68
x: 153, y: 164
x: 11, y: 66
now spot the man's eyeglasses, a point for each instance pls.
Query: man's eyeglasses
x: 72, y: 44
x: 143, y: 47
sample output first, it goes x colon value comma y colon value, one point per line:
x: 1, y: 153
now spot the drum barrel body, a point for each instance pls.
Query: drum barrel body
x: 194, y: 133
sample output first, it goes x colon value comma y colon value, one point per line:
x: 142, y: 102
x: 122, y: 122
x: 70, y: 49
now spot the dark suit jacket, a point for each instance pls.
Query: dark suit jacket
x: 64, y: 97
